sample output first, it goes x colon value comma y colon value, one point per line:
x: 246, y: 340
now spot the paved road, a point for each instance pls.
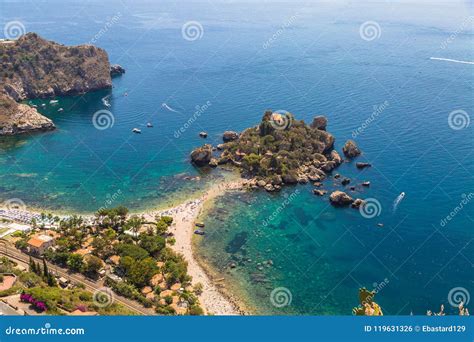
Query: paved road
x: 16, y: 255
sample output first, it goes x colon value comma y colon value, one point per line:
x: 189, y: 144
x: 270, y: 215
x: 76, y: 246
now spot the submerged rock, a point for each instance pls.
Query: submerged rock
x: 360, y: 165
x: 319, y: 192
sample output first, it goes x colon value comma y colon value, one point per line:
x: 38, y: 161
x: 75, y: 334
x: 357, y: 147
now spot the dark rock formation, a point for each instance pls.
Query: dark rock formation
x: 116, y: 70
x: 357, y: 203
x: 345, y: 181
x: 230, y: 136
x: 350, y: 149
x: 202, y: 155
x: 320, y: 122
x: 290, y: 178
x: 340, y: 198
x: 367, y: 184
x: 360, y: 165
x: 203, y: 134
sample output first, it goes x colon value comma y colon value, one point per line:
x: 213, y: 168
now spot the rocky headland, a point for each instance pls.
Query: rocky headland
x: 32, y: 67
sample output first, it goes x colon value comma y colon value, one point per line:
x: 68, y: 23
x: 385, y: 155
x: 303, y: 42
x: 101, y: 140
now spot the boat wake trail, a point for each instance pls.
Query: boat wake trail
x: 451, y: 60
x: 165, y: 106
x: 397, y: 201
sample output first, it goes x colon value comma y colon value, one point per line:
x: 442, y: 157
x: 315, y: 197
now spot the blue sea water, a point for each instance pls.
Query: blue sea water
x: 309, y: 58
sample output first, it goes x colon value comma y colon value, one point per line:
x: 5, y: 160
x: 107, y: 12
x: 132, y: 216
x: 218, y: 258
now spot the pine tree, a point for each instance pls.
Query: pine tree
x: 38, y: 269
x: 45, y: 269
x: 51, y: 280
x: 32, y: 265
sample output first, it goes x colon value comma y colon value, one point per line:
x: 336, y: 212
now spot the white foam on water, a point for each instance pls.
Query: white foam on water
x: 164, y: 105
x: 450, y: 60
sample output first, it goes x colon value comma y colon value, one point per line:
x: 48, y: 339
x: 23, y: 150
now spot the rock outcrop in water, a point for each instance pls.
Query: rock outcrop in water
x: 116, y: 70
x: 340, y: 198
x: 201, y: 156
x: 350, y: 149
x: 32, y: 67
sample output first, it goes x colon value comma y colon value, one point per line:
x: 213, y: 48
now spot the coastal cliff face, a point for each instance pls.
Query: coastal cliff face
x: 17, y: 118
x: 32, y: 67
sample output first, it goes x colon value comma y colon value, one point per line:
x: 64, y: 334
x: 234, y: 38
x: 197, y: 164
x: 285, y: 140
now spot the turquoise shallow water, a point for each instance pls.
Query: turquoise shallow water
x: 308, y: 58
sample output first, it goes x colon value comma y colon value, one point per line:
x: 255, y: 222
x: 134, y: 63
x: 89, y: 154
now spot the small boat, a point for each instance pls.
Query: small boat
x: 149, y: 124
x: 43, y: 105
x: 60, y: 110
x: 136, y: 130
x: 203, y: 134
x: 34, y: 106
x: 402, y: 195
x: 199, y: 232
x: 53, y: 101
x: 199, y: 224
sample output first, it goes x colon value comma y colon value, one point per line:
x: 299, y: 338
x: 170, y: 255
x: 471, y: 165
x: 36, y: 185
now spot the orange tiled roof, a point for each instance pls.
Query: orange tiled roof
x: 35, y: 242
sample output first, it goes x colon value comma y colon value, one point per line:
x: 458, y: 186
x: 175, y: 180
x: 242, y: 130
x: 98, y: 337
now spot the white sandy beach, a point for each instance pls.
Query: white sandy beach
x: 184, y: 218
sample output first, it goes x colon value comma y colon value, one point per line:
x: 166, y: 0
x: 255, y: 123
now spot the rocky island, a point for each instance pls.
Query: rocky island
x: 280, y: 150
x: 32, y: 67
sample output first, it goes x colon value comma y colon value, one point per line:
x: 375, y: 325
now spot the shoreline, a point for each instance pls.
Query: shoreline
x: 213, y: 299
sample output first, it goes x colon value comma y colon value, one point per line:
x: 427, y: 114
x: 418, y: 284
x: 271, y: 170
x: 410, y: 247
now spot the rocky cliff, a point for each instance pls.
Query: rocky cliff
x: 17, y: 118
x: 32, y: 67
